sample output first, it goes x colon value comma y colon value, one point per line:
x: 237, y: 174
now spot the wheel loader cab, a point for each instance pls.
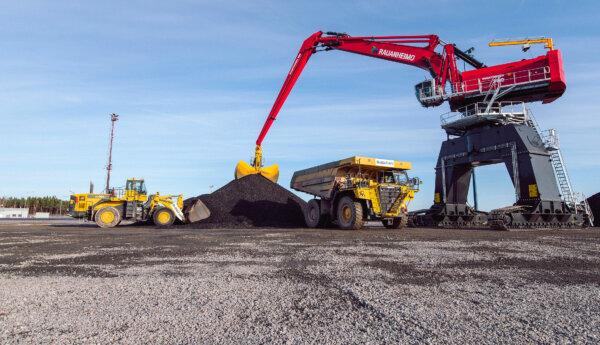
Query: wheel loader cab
x: 135, y: 190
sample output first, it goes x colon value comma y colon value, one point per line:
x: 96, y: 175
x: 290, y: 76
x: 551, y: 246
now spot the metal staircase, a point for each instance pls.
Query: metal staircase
x: 488, y: 110
x: 495, y: 91
x: 562, y: 177
x: 552, y: 144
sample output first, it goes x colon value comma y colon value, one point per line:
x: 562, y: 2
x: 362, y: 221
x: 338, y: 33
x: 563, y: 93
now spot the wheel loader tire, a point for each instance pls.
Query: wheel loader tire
x: 163, y: 217
x: 395, y: 223
x: 349, y: 214
x: 108, y: 217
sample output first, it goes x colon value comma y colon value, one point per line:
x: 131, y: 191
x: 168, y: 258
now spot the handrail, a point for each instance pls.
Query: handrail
x: 479, y: 109
x: 506, y: 79
x: 485, y: 84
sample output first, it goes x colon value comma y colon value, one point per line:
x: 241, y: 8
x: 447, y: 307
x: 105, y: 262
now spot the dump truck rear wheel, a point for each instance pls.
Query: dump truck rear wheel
x: 163, y: 217
x: 349, y: 214
x: 107, y: 217
x: 395, y: 223
x: 313, y: 215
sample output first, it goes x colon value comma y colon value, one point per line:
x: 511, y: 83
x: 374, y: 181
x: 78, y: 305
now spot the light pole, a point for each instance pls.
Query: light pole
x: 113, y: 118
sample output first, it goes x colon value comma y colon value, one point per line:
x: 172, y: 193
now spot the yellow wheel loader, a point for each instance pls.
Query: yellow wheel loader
x: 131, y: 204
x: 356, y: 189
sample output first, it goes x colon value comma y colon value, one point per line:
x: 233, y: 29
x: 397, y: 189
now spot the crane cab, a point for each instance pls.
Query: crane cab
x: 427, y: 94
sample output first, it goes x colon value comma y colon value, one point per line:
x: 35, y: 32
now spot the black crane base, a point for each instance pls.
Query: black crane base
x: 449, y: 216
x: 531, y: 166
x: 529, y: 217
x: 540, y: 215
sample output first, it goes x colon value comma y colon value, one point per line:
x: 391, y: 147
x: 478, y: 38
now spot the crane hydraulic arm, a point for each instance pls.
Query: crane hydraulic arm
x: 392, y: 48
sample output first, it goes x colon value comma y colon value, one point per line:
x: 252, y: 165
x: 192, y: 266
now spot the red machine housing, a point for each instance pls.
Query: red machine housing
x: 538, y: 79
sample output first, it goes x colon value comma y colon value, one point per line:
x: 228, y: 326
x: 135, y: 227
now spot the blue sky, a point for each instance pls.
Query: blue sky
x: 194, y: 80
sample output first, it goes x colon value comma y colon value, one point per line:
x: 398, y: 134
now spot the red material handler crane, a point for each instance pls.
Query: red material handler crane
x: 538, y: 79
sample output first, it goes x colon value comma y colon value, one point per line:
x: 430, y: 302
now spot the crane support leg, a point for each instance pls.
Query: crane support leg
x: 538, y: 201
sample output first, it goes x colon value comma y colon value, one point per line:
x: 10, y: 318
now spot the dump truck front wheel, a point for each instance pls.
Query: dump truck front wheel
x: 395, y: 223
x: 349, y: 214
x: 107, y: 217
x: 163, y: 217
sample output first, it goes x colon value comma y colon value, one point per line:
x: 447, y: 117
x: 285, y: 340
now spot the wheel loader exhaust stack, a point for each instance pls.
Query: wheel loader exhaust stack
x: 244, y: 169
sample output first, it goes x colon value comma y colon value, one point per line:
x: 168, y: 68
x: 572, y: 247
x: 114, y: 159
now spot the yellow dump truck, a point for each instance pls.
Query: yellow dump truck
x: 132, y: 203
x: 356, y: 189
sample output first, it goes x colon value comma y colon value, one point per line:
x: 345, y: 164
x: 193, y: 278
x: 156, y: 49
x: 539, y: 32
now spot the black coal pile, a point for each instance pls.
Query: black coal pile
x: 594, y: 202
x: 252, y: 201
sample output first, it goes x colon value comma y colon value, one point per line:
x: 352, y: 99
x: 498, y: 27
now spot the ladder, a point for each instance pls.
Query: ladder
x: 562, y: 177
x: 495, y: 92
x: 551, y: 143
x: 532, y: 122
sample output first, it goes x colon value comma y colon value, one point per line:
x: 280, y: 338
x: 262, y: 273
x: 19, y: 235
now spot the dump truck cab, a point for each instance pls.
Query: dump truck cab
x: 356, y: 189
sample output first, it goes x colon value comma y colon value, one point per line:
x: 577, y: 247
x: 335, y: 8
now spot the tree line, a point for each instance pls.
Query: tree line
x: 50, y: 204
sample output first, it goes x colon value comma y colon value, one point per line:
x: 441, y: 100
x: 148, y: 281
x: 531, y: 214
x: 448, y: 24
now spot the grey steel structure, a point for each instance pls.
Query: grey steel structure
x: 502, y: 133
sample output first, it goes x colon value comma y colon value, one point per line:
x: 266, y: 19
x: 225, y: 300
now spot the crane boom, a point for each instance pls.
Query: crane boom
x: 391, y: 48
x: 305, y: 52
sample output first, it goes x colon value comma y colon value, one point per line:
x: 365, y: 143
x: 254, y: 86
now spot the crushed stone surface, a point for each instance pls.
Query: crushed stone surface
x: 147, y: 285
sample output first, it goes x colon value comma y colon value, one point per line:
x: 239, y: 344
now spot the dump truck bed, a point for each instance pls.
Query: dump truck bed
x: 320, y: 180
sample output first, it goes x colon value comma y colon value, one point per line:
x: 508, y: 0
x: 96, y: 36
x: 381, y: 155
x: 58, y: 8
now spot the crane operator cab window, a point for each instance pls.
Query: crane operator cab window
x: 136, y: 185
x: 425, y: 89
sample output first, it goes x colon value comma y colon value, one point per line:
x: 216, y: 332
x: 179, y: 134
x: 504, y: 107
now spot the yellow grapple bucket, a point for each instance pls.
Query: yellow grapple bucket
x: 244, y: 169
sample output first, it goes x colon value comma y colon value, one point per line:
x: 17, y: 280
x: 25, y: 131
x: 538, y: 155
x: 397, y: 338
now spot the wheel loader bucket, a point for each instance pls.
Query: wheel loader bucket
x: 244, y: 169
x: 197, y: 212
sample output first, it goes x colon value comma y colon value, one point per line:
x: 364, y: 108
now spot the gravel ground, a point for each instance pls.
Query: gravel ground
x: 75, y: 284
